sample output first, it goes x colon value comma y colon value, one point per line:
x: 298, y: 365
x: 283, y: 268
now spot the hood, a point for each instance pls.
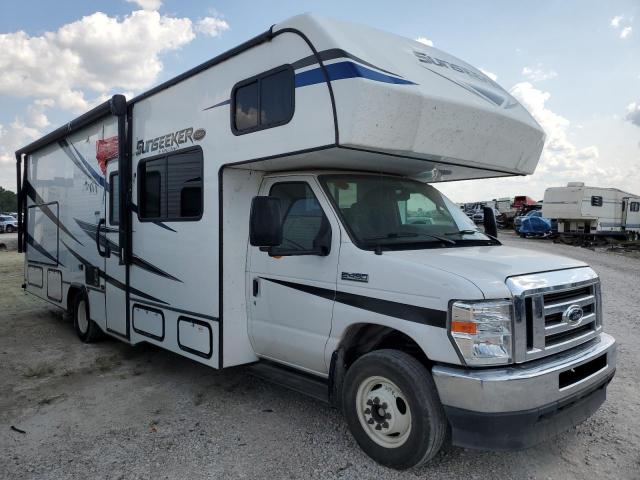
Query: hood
x: 487, y: 267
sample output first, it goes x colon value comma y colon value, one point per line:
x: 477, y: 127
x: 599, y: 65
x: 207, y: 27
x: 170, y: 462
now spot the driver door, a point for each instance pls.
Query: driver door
x: 291, y: 297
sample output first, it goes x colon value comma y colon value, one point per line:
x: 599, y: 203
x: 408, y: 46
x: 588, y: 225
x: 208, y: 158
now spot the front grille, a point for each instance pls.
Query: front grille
x: 542, y: 326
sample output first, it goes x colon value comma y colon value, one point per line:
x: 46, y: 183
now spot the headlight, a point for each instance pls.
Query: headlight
x: 482, y: 331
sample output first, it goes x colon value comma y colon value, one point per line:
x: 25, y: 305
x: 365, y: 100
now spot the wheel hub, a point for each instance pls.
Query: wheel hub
x: 384, y: 412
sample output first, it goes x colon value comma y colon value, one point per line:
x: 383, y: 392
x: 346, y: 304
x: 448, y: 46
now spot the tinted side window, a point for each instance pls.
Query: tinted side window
x: 171, y: 187
x: 304, y: 224
x: 247, y: 106
x: 184, y: 185
x: 276, y: 99
x: 596, y: 201
x: 264, y: 101
x: 114, y: 199
x: 152, y: 174
x: 634, y: 206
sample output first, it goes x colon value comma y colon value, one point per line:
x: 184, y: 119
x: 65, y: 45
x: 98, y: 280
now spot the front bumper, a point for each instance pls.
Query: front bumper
x: 521, y: 405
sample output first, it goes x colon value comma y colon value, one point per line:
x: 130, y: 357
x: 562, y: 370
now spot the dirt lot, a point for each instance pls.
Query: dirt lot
x: 112, y: 411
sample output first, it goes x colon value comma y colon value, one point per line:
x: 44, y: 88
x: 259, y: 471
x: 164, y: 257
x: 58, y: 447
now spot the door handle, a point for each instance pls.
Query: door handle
x: 256, y: 287
x: 106, y: 251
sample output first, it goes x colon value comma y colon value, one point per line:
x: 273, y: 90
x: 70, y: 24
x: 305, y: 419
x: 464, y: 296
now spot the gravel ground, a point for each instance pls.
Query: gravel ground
x: 113, y: 411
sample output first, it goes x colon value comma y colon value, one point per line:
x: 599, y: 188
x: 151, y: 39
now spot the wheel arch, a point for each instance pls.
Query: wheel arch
x: 75, y: 289
x: 362, y: 338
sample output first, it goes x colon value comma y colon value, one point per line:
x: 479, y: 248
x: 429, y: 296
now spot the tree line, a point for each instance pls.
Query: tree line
x: 8, y: 201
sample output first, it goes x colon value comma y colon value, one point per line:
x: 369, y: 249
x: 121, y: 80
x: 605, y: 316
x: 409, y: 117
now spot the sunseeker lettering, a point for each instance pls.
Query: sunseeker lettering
x: 424, y: 58
x: 170, y: 141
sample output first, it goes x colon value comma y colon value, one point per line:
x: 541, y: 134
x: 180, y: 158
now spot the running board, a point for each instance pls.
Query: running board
x: 292, y: 379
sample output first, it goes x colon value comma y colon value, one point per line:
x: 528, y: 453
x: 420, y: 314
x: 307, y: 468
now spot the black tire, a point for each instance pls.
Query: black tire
x: 428, y: 420
x: 87, y: 331
x: 9, y: 229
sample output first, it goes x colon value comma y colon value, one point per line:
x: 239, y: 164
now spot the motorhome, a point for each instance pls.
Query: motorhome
x: 593, y: 211
x: 276, y: 207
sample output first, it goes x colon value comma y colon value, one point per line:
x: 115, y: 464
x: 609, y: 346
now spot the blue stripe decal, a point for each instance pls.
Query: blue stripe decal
x: 342, y: 70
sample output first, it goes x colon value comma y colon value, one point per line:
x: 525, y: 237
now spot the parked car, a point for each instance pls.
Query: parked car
x: 8, y: 224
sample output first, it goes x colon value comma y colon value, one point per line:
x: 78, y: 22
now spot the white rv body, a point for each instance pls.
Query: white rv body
x: 581, y: 209
x: 169, y: 260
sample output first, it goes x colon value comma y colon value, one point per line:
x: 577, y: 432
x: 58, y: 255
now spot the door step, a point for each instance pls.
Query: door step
x: 292, y: 379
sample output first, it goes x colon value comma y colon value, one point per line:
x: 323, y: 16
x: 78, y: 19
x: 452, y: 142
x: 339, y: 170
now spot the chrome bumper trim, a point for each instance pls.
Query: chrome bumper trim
x: 525, y: 386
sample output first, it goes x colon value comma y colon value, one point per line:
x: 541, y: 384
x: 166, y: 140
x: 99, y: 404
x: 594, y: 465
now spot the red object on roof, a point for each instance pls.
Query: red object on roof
x: 105, y: 150
x: 522, y: 200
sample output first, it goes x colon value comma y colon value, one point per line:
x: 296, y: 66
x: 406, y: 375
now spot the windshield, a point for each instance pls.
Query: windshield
x: 396, y: 213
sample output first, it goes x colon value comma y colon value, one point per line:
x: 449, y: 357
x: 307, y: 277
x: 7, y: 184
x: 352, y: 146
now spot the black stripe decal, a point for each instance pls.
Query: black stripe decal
x: 90, y: 229
x: 37, y: 199
x: 40, y: 249
x: 111, y: 280
x: 226, y: 102
x: 411, y: 313
x: 153, y: 269
x: 134, y: 209
x: 332, y: 54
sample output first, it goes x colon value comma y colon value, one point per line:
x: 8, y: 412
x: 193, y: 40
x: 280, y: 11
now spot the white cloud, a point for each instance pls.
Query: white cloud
x: 17, y: 134
x: 633, y: 113
x: 489, y: 74
x: 93, y: 55
x: 425, y: 41
x: 35, y: 112
x: 626, y: 31
x: 562, y: 160
x: 147, y: 4
x: 615, y: 21
x: 624, y: 23
x: 539, y: 73
x: 212, y: 26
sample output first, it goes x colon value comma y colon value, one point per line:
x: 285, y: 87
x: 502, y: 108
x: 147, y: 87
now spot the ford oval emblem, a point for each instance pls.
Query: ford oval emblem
x: 199, y: 134
x: 573, y: 315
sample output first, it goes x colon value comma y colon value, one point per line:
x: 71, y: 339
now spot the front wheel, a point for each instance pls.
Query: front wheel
x: 393, y: 410
x: 9, y: 229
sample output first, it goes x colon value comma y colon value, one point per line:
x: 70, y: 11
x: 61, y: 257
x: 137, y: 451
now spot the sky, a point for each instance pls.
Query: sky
x: 574, y: 64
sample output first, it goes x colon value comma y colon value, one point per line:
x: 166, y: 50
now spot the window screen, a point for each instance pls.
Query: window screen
x: 264, y: 101
x: 114, y: 199
x: 634, y: 206
x: 171, y: 187
x: 596, y: 201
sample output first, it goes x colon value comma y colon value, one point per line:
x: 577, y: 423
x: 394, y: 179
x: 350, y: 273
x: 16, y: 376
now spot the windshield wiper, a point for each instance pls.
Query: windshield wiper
x: 460, y: 232
x: 409, y: 234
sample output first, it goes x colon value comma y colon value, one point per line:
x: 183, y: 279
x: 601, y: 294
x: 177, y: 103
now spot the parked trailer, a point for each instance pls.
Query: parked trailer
x: 274, y: 206
x: 586, y: 213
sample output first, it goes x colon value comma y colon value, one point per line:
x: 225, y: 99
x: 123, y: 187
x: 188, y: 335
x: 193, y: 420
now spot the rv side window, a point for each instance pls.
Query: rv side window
x: 634, y: 207
x: 304, y: 224
x: 264, y: 101
x: 171, y: 187
x: 114, y: 199
x: 596, y: 201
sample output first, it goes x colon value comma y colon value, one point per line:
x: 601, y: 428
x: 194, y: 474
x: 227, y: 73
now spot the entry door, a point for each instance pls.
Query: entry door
x: 114, y: 272
x: 291, y: 297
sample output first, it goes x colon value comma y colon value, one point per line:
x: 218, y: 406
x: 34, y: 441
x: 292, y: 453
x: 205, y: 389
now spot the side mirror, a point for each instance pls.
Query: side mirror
x: 265, y: 222
x: 490, y: 225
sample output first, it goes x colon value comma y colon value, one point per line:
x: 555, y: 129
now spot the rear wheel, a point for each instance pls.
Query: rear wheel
x: 9, y: 229
x: 86, y: 329
x: 392, y: 408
